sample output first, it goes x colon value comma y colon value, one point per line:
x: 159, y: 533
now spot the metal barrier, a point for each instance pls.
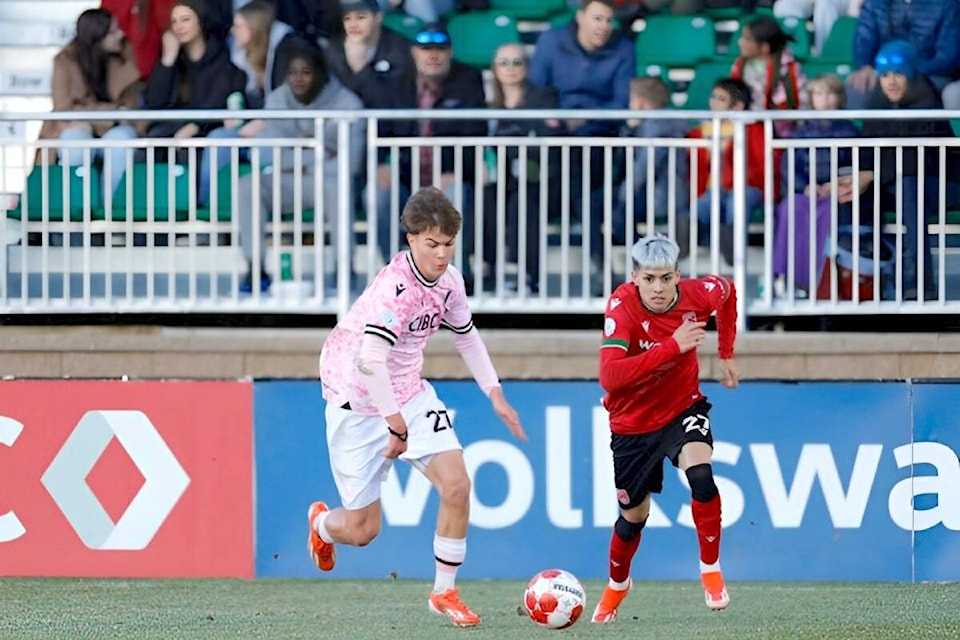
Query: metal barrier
x: 327, y: 218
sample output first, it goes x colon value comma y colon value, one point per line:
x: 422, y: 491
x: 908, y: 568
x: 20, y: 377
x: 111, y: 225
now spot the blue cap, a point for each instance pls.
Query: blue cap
x: 897, y: 56
x: 432, y: 34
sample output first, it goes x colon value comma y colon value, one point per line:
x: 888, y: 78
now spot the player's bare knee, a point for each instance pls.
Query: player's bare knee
x: 367, y: 533
x: 702, y: 485
x: 455, y: 490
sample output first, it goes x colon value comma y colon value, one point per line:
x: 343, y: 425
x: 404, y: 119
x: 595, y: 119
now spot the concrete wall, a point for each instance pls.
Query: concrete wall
x: 192, y: 353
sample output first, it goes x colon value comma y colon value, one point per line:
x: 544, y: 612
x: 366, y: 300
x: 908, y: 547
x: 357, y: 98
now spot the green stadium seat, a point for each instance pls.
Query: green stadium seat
x: 675, y: 41
x: 223, y: 203
x: 403, y: 23
x: 815, y: 67
x: 839, y: 44
x: 163, y: 173
x: 477, y: 35
x: 529, y: 9
x: 63, y: 188
x: 796, y: 27
x: 698, y: 92
x: 734, y: 13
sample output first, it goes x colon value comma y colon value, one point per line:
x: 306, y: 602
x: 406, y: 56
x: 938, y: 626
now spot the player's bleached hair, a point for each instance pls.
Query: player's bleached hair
x: 655, y: 252
x: 429, y: 209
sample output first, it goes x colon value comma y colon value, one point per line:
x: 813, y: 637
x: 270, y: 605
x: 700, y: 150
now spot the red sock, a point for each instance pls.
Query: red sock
x: 706, y: 517
x: 621, y: 554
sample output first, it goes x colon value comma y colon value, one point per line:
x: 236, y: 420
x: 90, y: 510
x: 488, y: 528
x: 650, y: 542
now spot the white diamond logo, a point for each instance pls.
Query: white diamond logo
x: 164, y: 480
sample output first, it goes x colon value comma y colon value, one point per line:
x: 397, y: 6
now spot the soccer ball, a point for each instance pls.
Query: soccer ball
x: 554, y: 599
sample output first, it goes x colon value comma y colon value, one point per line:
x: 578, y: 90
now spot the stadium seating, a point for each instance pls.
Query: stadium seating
x: 54, y: 185
x: 698, y: 91
x: 403, y: 23
x: 839, y: 44
x: 658, y: 42
x: 170, y: 190
x: 477, y: 35
x: 815, y: 67
x: 529, y: 9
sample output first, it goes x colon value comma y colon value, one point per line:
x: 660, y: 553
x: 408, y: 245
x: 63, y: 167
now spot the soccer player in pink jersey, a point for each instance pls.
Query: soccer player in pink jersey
x: 380, y: 409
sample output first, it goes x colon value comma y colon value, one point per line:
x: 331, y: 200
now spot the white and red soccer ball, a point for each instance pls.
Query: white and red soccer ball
x: 554, y: 598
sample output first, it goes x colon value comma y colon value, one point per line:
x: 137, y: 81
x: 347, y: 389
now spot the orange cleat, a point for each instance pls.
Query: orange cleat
x: 449, y: 604
x: 323, y: 554
x: 606, y: 610
x: 715, y: 592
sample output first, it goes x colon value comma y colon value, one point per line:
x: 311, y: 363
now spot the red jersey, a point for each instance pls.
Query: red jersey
x: 647, y: 380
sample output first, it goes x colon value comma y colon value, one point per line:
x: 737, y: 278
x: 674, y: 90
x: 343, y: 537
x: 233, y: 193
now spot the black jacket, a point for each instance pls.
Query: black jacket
x: 461, y: 89
x: 376, y: 83
x: 204, y: 84
x: 534, y: 98
x: 920, y: 95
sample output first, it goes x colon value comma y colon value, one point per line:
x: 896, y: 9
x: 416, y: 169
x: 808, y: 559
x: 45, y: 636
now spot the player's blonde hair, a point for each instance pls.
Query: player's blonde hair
x: 655, y: 252
x: 429, y: 209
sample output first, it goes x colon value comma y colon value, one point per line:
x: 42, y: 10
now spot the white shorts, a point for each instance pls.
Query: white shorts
x: 356, y: 444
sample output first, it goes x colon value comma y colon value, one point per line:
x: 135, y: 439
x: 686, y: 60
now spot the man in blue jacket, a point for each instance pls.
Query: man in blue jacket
x: 932, y: 26
x: 590, y: 65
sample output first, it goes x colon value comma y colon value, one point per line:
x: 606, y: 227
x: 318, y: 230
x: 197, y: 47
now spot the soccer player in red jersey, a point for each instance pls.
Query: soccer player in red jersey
x: 649, y: 370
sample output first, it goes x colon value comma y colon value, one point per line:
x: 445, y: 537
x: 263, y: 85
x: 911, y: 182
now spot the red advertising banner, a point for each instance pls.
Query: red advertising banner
x: 126, y: 479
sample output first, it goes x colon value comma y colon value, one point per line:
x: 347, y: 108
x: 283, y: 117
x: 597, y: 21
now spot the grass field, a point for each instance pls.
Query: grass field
x: 387, y: 610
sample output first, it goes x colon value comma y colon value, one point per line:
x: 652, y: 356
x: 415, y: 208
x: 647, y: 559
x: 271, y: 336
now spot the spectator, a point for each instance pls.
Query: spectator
x: 308, y: 88
x: 931, y: 26
x: 143, y: 23
x: 653, y: 94
x: 588, y: 64
x: 826, y: 183
x: 823, y: 12
x: 96, y: 71
x: 512, y: 90
x: 194, y: 72
x: 902, y: 86
x: 729, y: 94
x: 259, y: 48
x: 369, y: 59
x: 424, y: 10
x: 768, y: 67
x: 439, y: 82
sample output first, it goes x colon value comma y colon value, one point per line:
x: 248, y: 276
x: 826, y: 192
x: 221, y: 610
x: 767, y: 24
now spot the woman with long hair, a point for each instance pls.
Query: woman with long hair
x: 194, y: 73
x: 96, y: 71
x: 512, y: 90
x: 260, y: 47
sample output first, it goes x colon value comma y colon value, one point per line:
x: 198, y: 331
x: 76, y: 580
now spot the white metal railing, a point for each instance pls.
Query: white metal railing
x: 155, y: 245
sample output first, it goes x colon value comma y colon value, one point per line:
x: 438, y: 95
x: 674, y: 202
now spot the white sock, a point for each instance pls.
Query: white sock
x: 619, y: 586
x: 318, y: 526
x: 709, y: 568
x: 449, y: 554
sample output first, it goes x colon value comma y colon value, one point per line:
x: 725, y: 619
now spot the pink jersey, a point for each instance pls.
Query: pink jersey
x: 403, y: 308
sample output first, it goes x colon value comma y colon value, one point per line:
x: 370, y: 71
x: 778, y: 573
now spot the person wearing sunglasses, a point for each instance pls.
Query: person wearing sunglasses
x: 931, y: 26
x: 437, y: 81
x: 368, y: 58
x: 902, y: 86
x: 512, y: 90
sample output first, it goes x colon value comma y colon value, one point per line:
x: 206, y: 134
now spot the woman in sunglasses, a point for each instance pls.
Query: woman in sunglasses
x: 512, y: 90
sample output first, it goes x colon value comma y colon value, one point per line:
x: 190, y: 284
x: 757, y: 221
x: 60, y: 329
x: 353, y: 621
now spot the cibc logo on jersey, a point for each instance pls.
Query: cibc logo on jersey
x: 426, y: 322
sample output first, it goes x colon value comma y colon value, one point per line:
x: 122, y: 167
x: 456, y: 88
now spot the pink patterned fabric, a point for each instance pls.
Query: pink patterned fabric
x: 403, y: 308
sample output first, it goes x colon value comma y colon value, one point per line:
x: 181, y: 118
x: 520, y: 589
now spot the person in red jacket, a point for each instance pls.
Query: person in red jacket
x: 649, y: 370
x: 729, y: 94
x: 143, y: 23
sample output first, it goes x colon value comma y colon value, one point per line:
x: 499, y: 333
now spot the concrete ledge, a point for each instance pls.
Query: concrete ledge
x: 205, y: 353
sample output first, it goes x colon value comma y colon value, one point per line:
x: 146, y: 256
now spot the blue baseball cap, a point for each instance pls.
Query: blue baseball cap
x: 432, y: 34
x: 897, y: 56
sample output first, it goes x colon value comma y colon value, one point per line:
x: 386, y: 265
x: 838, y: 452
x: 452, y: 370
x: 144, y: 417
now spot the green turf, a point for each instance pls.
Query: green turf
x: 388, y: 610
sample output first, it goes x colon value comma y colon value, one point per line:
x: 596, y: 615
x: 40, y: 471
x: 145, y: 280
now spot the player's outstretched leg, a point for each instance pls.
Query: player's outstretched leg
x: 706, y: 517
x: 623, y: 546
x: 322, y: 552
